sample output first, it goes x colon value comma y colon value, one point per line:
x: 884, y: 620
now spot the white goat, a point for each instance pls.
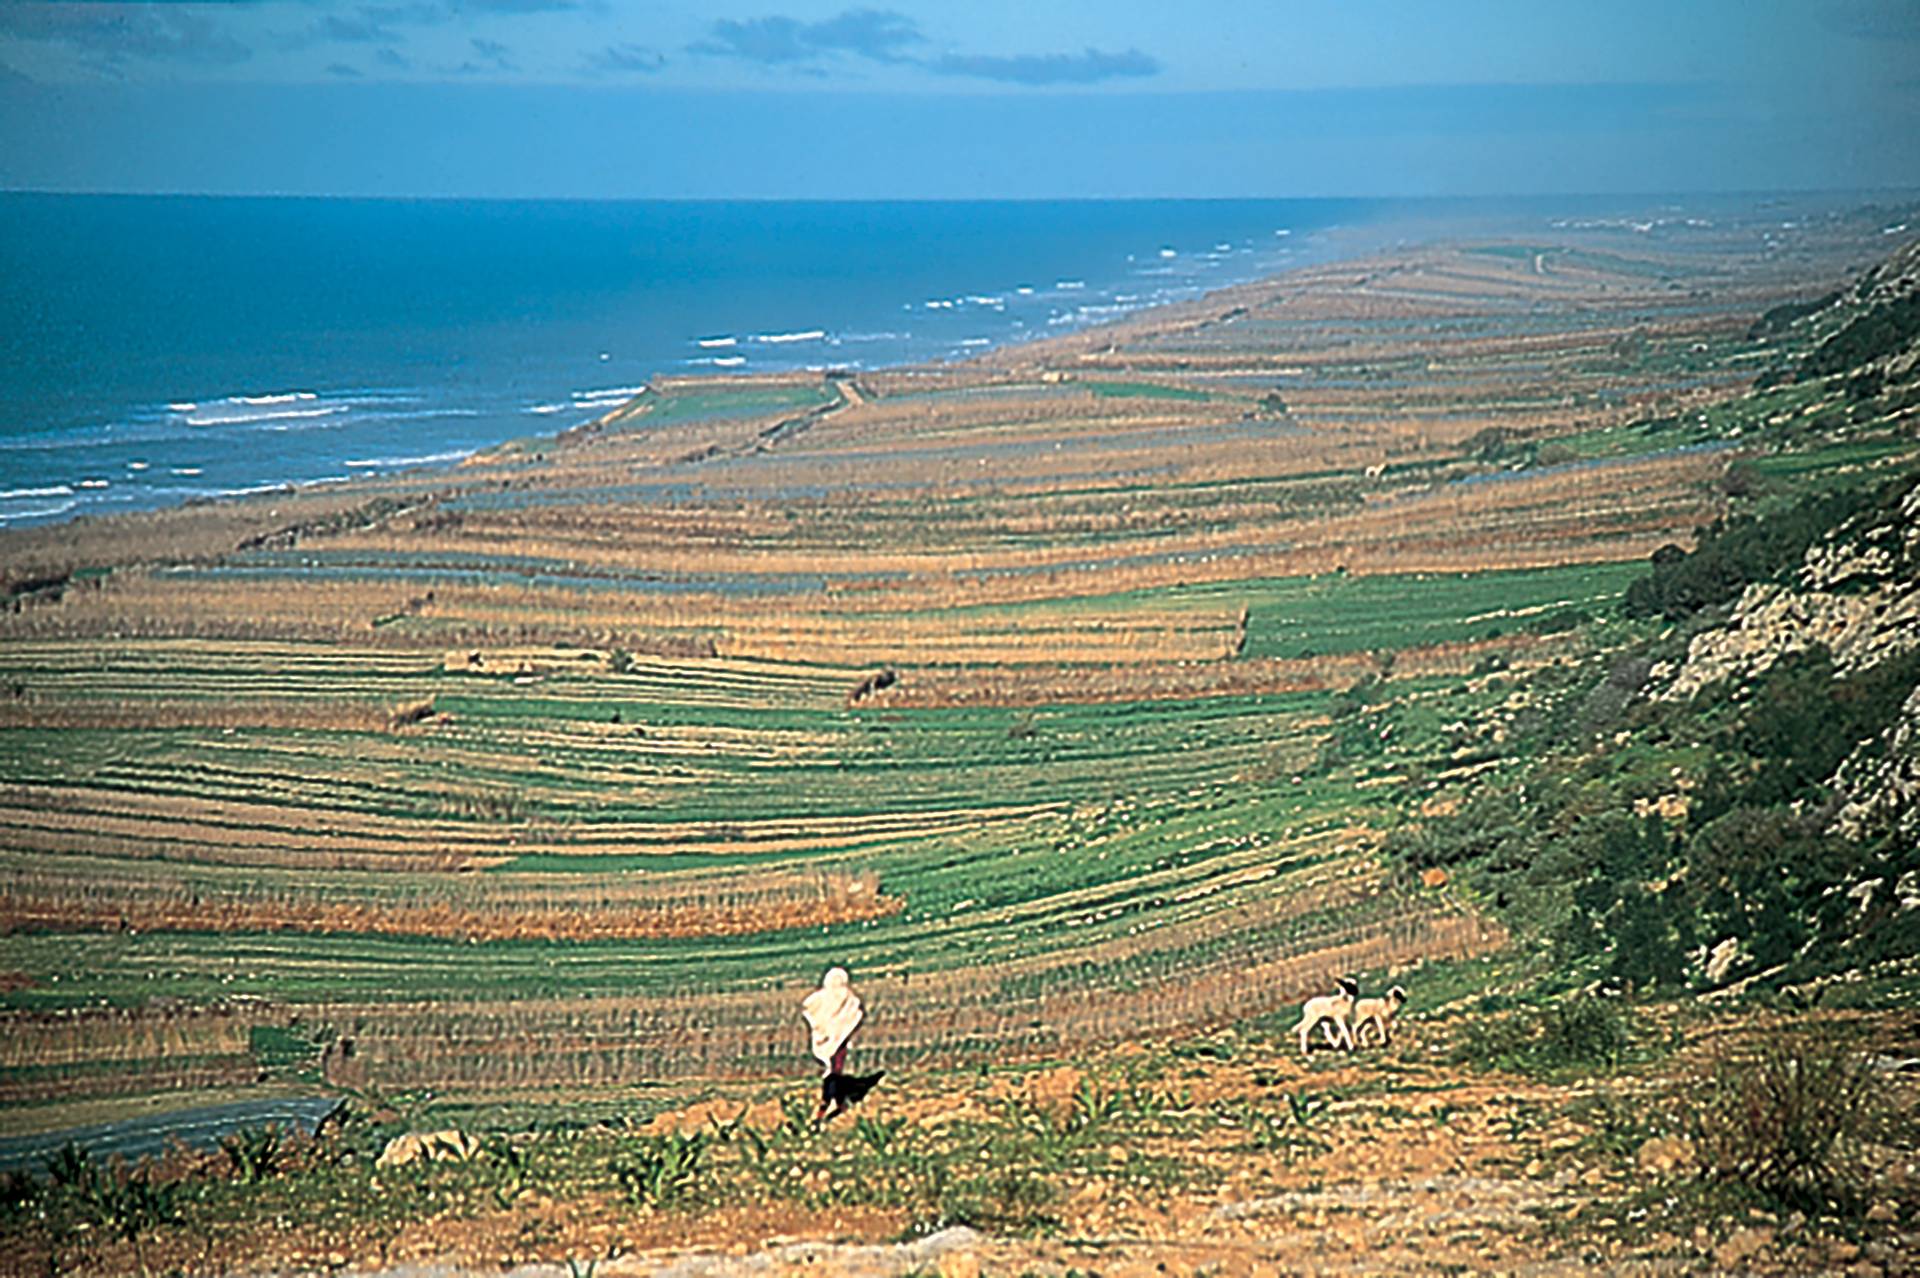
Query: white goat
x: 1331, y: 1010
x: 1378, y: 1013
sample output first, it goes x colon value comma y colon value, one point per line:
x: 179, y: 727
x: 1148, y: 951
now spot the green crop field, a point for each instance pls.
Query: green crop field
x: 1029, y: 692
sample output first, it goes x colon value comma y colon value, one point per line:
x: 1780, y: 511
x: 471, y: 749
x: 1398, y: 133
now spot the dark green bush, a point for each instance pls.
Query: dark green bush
x: 1731, y: 554
x: 1885, y: 329
x: 1780, y: 318
x: 1576, y: 1034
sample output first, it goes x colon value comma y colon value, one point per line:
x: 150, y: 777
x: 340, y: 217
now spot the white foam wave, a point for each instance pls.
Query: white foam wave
x: 1069, y: 284
x: 277, y: 397
x: 425, y: 459
x: 283, y: 485
x: 778, y: 339
x: 38, y: 512
x: 1167, y: 252
x: 716, y: 343
x: 136, y: 465
x: 976, y: 341
x: 1025, y: 290
x: 187, y: 471
x: 875, y: 337
x: 272, y: 414
x: 424, y: 414
x: 607, y: 393
x: 183, y: 407
x: 95, y: 483
x: 546, y: 410
x: 720, y: 361
x: 54, y: 490
x: 938, y: 304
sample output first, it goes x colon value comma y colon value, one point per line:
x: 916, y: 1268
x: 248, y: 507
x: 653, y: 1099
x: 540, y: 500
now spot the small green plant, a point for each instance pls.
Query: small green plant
x: 796, y: 1118
x: 1265, y: 1132
x: 253, y: 1152
x: 72, y: 1168
x: 756, y: 1146
x: 18, y: 1194
x: 661, y: 1170
x: 1305, y: 1106
x: 513, y: 1165
x: 878, y: 1134
x: 133, y: 1206
x: 1094, y: 1105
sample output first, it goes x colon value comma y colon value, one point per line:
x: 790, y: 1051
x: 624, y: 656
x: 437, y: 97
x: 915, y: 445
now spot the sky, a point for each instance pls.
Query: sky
x: 911, y: 99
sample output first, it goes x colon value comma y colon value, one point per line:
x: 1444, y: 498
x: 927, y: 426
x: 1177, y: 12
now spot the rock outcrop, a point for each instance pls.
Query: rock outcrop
x: 1856, y: 595
x: 1881, y: 782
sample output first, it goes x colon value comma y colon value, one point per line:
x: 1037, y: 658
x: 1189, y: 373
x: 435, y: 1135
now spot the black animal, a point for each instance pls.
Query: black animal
x: 841, y: 1092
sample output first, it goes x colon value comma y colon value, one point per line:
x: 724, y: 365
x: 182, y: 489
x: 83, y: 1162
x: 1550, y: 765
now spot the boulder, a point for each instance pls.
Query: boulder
x: 444, y: 1145
x: 1666, y: 1156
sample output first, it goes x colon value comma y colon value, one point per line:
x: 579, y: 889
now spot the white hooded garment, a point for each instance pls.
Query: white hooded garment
x: 833, y: 1012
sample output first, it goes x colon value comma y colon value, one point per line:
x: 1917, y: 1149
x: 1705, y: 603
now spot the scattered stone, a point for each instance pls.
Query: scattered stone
x: 1666, y: 1156
x: 448, y: 1144
x: 1741, y: 1247
x: 959, y: 1264
x: 1433, y: 877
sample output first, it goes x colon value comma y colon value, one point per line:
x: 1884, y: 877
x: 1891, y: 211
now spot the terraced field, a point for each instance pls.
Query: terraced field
x: 1059, y: 695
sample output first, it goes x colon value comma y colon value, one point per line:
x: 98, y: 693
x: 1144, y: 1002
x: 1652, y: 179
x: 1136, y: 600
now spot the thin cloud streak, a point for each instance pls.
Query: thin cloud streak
x: 625, y: 59
x: 115, y: 32
x: 886, y: 36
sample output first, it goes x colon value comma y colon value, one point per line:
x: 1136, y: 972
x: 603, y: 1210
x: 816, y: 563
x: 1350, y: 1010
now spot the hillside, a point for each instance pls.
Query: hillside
x: 1530, y: 624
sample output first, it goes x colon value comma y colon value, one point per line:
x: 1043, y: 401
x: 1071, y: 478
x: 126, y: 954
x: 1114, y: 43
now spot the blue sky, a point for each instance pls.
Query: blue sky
x: 990, y: 98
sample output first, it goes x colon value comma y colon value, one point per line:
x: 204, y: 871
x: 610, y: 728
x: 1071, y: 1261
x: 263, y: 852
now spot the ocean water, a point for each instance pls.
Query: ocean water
x: 158, y: 349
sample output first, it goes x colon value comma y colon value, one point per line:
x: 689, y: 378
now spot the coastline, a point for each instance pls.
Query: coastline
x: 207, y: 530
x: 431, y: 425
x: 391, y: 381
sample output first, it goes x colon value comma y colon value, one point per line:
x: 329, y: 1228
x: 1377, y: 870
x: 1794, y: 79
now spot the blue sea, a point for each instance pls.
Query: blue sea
x: 159, y: 349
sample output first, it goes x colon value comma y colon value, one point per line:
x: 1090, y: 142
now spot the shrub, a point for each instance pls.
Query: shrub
x: 1579, y: 1033
x: 253, y: 1152
x: 1732, y: 553
x: 136, y: 1206
x: 1792, y: 1120
x: 1014, y: 1199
